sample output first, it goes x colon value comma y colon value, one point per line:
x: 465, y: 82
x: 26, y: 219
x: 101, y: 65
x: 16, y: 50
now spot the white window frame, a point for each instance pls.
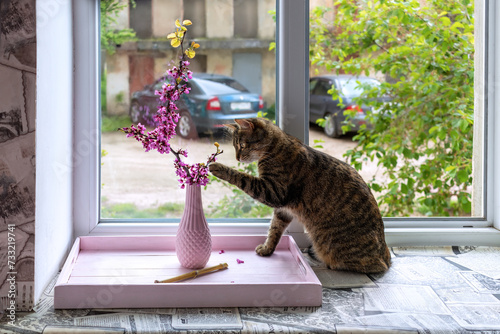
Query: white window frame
x: 292, y: 102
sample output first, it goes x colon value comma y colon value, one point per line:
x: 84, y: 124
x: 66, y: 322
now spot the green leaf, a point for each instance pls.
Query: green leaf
x: 434, y: 129
x: 445, y: 21
x: 457, y: 25
x: 407, y: 153
x: 466, y: 207
x: 463, y: 176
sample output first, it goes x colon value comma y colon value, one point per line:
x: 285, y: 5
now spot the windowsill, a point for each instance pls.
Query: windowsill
x: 433, y: 292
x: 465, y: 236
x: 395, y: 236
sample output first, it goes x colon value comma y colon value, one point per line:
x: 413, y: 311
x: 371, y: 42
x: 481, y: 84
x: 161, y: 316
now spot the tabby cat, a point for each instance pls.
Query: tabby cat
x: 327, y: 195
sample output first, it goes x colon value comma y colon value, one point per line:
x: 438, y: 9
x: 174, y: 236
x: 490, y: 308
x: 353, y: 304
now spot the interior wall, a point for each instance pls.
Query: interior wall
x: 54, y: 123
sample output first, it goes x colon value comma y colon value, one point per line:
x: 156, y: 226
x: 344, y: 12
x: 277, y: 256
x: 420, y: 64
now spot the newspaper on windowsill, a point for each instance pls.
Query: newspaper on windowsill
x: 133, y: 323
x: 424, y: 251
x: 207, y: 318
x: 479, y: 259
x: 56, y: 329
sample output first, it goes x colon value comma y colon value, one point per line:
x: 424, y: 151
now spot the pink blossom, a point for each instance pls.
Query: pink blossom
x: 167, y: 118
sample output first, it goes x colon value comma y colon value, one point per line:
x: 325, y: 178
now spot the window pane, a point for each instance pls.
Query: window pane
x: 409, y: 134
x: 229, y: 64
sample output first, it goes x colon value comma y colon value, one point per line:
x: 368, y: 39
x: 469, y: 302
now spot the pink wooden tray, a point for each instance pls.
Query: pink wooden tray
x: 119, y: 272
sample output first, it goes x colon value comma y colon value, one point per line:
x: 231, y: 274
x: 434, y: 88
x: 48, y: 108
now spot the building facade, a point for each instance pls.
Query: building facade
x: 234, y: 38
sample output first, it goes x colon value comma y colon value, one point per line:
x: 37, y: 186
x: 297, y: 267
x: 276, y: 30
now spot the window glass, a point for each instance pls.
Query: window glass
x: 137, y: 184
x: 409, y: 133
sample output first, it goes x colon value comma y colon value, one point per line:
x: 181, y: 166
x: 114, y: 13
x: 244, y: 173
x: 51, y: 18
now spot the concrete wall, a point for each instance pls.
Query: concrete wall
x: 122, y: 21
x: 220, y: 62
x: 164, y: 13
x: 269, y: 77
x: 267, y: 27
x: 220, y: 19
x: 117, y: 91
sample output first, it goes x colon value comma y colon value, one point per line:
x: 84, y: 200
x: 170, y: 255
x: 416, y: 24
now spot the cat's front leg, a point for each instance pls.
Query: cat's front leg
x: 264, y: 190
x: 221, y: 171
x: 233, y: 176
x: 281, y: 219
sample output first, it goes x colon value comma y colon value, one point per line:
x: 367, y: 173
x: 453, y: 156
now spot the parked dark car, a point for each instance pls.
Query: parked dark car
x: 214, y: 100
x: 323, y: 106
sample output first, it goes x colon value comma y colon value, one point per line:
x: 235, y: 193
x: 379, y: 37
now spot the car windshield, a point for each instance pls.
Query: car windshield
x: 215, y: 88
x: 352, y: 86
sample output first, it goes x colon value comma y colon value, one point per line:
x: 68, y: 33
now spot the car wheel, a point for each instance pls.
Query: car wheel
x: 185, y: 126
x: 135, y: 112
x: 331, y: 127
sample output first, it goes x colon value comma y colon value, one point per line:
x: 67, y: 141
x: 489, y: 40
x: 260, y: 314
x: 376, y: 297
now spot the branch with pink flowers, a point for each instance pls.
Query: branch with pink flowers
x: 167, y: 117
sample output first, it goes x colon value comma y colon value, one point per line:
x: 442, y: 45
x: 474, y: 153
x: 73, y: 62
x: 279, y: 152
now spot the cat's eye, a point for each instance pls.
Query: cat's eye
x: 243, y: 145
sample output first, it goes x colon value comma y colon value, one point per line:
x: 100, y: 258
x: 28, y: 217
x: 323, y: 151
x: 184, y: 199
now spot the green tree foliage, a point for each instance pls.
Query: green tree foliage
x: 111, y: 37
x: 422, y: 140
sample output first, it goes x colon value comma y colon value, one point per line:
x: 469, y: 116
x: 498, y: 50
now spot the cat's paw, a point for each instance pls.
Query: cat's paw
x: 217, y: 169
x: 263, y: 250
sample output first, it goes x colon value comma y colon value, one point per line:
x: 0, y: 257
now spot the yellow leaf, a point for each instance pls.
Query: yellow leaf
x: 177, y: 23
x: 190, y: 53
x: 195, y: 45
x: 187, y: 22
x: 172, y: 35
x: 175, y: 42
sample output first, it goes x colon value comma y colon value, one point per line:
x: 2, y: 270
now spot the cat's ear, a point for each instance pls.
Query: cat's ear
x: 231, y: 127
x: 245, y: 124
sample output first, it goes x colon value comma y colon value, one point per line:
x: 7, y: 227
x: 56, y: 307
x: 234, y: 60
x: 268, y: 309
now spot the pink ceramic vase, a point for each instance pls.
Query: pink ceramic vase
x: 193, y: 243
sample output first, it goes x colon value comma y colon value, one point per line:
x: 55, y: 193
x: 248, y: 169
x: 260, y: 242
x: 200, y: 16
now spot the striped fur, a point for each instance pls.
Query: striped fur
x: 327, y: 195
